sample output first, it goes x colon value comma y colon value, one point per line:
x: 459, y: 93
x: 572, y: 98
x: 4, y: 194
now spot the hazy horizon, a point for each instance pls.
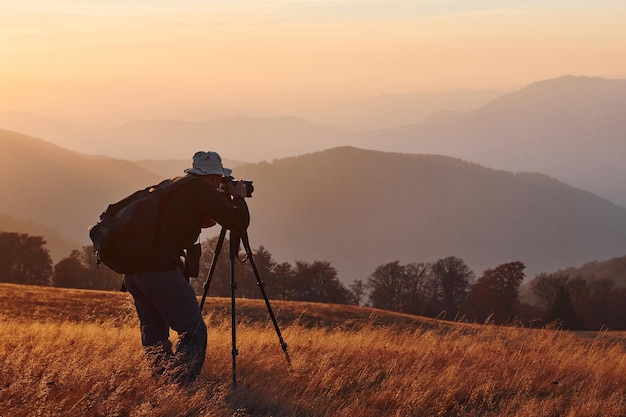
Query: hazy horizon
x: 94, y: 60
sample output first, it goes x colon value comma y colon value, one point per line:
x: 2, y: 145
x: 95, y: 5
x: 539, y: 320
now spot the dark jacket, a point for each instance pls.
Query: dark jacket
x: 182, y: 213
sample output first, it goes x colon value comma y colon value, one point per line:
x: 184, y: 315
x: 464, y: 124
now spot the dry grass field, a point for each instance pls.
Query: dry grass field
x: 78, y: 353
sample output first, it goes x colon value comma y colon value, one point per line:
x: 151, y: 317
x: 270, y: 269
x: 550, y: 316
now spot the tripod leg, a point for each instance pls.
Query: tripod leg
x: 261, y: 285
x: 234, y: 250
x: 207, y: 283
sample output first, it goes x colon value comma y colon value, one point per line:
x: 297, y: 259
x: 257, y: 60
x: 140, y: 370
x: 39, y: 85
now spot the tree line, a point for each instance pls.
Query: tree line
x: 446, y: 289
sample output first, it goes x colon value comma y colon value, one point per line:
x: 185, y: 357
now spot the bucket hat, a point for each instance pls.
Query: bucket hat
x: 206, y: 163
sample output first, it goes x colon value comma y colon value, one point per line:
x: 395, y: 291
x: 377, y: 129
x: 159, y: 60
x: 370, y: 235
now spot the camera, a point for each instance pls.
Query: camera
x: 230, y: 180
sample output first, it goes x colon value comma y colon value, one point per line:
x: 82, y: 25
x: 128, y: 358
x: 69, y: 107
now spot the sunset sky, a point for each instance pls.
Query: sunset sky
x: 84, y: 57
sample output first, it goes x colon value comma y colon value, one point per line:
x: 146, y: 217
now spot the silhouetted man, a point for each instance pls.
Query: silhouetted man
x: 163, y: 297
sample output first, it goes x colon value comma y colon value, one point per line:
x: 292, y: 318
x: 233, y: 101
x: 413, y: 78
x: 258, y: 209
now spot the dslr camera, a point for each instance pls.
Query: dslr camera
x: 230, y: 180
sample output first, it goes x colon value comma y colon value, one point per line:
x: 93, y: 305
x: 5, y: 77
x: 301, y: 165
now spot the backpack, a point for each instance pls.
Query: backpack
x: 124, y: 235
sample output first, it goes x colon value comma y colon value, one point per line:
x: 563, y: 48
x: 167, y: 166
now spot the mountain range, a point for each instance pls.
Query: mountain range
x: 572, y: 128
x: 353, y: 207
x: 45, y: 184
x: 361, y: 208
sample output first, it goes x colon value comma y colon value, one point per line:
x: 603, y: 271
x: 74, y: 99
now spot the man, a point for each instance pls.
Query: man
x: 163, y: 297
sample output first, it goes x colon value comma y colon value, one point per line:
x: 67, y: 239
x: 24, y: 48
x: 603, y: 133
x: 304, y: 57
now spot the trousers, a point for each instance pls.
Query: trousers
x: 164, y: 300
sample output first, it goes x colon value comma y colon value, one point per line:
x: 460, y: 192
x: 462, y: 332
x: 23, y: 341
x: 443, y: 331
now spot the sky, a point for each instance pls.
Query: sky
x: 87, y: 57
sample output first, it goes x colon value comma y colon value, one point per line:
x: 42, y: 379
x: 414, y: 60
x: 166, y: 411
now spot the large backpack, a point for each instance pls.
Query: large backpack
x: 124, y: 236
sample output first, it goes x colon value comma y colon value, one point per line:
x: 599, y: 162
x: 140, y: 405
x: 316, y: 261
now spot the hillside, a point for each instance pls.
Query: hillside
x: 356, y: 208
x: 571, y: 128
x: 360, y: 209
x: 59, y: 246
x: 75, y: 353
x: 61, y: 305
x: 613, y: 269
x: 61, y: 133
x: 65, y: 190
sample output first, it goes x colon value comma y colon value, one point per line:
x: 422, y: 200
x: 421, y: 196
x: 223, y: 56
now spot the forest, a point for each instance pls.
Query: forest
x: 446, y: 288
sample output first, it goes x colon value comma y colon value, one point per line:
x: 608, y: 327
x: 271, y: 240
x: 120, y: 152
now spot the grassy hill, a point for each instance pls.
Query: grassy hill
x: 77, y: 353
x: 73, y: 305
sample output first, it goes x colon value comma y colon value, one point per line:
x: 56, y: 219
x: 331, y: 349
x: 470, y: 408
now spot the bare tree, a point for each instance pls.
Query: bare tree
x: 496, y: 293
x: 385, y: 286
x: 318, y: 282
x: 24, y: 259
x: 414, y: 287
x: 452, y: 278
x: 70, y: 272
x: 357, y: 290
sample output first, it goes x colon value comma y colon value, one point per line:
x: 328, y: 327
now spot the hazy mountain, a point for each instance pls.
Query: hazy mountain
x: 46, y: 184
x: 361, y: 208
x: 59, y: 246
x: 356, y: 208
x: 394, y: 110
x: 63, y: 134
x: 613, y: 269
x: 211, y: 113
x: 572, y: 128
x: 240, y: 138
x: 248, y: 139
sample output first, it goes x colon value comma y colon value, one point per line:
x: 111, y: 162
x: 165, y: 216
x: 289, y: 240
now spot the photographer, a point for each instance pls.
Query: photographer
x: 163, y: 297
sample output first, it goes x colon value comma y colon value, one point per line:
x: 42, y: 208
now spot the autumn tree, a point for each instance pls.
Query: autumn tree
x: 414, y: 288
x: 496, y: 293
x: 306, y: 281
x: 600, y: 308
x: 555, y: 299
x: 24, y: 259
x: 247, y: 281
x: 451, y: 282
x: 401, y: 288
x: 357, y: 291
x: 318, y: 282
x: 70, y: 272
x: 100, y: 276
x: 282, y: 281
x: 546, y: 288
x: 385, y: 286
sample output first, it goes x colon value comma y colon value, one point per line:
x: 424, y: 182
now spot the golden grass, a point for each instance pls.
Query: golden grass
x: 60, y: 365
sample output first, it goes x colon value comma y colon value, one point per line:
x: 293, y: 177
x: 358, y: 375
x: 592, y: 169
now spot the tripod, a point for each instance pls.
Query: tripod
x: 236, y: 238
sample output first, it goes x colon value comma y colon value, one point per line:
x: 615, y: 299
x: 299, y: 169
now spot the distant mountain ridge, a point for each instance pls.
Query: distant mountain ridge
x: 361, y: 208
x: 571, y: 128
x: 59, y: 246
x: 46, y: 184
x: 355, y: 208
